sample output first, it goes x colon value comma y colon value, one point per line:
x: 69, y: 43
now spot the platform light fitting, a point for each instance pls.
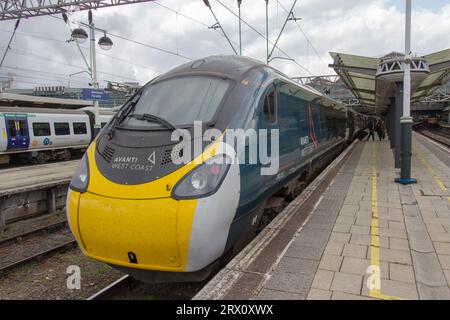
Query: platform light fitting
x: 105, y: 42
x: 79, y: 35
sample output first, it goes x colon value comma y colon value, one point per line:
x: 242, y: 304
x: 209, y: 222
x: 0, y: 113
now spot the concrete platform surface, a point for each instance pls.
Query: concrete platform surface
x: 365, y: 236
x: 21, y: 179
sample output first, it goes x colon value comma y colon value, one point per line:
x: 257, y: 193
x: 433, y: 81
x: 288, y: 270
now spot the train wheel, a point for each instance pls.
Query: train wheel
x: 41, y: 158
x: 66, y: 155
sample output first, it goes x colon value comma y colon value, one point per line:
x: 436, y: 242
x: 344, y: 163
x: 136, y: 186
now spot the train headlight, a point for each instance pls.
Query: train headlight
x: 204, y: 180
x: 80, y: 178
x: 199, y: 180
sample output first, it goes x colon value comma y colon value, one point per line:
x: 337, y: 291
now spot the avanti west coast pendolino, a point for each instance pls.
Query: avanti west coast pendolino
x: 132, y: 206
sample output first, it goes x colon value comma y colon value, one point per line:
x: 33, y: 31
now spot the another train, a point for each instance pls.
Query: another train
x: 38, y: 135
x: 133, y: 205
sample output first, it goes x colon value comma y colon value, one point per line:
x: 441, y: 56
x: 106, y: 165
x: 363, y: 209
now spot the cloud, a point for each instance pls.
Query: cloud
x: 372, y: 27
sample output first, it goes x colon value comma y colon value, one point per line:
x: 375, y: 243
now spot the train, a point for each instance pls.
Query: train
x: 38, y: 135
x: 133, y: 205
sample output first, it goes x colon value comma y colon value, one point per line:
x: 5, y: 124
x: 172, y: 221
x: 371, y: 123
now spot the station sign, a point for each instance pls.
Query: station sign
x: 95, y: 94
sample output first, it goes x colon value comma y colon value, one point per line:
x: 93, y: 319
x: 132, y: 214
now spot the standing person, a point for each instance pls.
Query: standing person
x: 380, y: 129
x: 371, y: 127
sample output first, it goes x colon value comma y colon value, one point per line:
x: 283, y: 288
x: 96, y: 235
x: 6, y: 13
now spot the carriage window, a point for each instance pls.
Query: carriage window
x: 62, y: 128
x: 270, y: 110
x: 41, y: 129
x: 79, y: 128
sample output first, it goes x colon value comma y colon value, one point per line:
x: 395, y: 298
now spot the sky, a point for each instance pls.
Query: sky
x: 40, y: 54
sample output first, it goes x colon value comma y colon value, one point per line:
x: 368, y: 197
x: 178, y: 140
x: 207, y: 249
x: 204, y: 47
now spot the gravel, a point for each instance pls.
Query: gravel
x: 47, y: 280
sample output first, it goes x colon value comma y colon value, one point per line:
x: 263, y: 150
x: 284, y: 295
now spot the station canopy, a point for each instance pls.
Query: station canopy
x: 359, y: 73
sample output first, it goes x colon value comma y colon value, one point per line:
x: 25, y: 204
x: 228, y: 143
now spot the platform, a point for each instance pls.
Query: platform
x: 30, y: 177
x: 354, y: 234
x: 32, y: 190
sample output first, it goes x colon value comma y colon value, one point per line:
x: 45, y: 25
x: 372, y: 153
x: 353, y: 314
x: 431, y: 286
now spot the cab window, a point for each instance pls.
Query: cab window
x: 270, y: 107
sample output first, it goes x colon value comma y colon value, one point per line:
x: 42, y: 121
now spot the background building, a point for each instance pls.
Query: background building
x: 117, y: 93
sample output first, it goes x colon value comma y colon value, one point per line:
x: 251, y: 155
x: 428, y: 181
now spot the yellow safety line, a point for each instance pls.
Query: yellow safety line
x: 374, y: 269
x: 431, y: 170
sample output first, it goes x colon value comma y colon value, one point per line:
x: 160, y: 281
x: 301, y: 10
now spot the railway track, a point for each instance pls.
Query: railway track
x: 128, y: 288
x: 38, y: 254
x: 108, y: 292
x: 438, y: 134
x: 46, y: 229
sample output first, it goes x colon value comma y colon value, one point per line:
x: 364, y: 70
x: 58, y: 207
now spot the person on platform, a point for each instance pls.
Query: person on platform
x: 371, y: 127
x: 380, y: 129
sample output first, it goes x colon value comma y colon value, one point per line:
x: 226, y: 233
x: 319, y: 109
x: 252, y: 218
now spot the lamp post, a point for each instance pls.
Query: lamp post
x: 239, y: 2
x: 80, y: 36
x: 406, y: 120
x: 267, y: 31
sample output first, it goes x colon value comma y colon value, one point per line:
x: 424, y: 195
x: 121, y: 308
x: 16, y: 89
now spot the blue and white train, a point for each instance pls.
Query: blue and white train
x: 38, y: 135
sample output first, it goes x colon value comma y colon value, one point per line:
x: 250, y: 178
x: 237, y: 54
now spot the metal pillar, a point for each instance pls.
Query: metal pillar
x: 267, y: 31
x: 95, y: 85
x: 239, y: 2
x: 406, y: 120
x: 391, y: 122
x: 396, y: 120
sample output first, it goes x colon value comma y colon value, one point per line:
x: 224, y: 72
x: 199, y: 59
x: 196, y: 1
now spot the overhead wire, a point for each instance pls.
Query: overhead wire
x: 305, y: 35
x: 264, y: 37
x: 198, y: 22
x: 26, y: 76
x: 27, y: 54
x: 16, y: 25
x: 71, y: 44
x: 141, y: 43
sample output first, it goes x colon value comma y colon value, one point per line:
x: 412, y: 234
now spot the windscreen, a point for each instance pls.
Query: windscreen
x: 180, y: 101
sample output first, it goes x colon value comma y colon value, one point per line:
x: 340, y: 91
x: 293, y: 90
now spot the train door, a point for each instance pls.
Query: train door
x: 17, y: 132
x: 269, y: 123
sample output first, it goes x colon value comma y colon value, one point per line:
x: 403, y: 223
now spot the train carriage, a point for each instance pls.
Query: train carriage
x: 38, y: 134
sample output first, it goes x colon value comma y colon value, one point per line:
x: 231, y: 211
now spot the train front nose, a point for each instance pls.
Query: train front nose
x: 150, y: 234
x: 145, y: 226
x: 137, y: 226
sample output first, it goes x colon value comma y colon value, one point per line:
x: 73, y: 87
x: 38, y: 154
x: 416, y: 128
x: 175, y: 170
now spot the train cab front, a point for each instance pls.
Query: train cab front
x: 135, y: 202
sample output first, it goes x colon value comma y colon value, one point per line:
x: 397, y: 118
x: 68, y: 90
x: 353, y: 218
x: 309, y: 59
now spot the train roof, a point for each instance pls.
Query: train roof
x: 231, y: 66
